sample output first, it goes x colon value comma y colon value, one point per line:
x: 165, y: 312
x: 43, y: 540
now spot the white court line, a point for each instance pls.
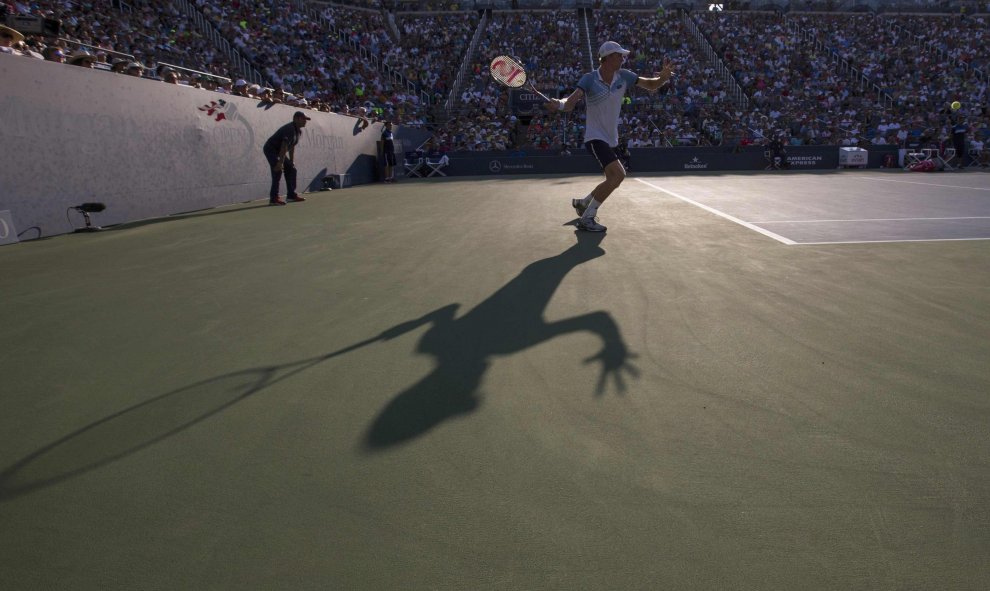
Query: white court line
x: 877, y: 178
x: 763, y: 231
x: 891, y: 241
x: 974, y: 217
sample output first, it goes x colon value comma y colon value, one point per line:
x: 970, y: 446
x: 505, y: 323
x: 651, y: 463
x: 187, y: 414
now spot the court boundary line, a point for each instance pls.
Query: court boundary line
x: 724, y: 215
x: 752, y: 225
x: 973, y: 217
x: 878, y: 178
x: 891, y: 241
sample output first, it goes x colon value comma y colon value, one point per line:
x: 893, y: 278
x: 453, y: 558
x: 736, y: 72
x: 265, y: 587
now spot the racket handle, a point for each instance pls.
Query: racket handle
x: 542, y: 96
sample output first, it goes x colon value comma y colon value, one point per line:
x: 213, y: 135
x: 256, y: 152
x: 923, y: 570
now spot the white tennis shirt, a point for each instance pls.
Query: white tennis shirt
x: 603, y: 103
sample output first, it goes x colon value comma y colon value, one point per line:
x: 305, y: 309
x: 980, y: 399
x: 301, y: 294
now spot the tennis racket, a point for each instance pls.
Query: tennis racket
x: 511, y: 73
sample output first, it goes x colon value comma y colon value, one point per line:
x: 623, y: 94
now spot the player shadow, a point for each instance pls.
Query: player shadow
x: 509, y: 321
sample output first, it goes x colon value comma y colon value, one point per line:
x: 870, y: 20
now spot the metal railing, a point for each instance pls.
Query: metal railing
x: 240, y: 63
x: 196, y: 72
x: 932, y: 47
x: 587, y: 37
x: 390, y: 73
x: 455, y: 89
x: 842, y: 65
x: 736, y: 92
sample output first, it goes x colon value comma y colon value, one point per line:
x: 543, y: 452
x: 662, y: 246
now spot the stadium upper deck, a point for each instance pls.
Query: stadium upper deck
x: 796, y: 71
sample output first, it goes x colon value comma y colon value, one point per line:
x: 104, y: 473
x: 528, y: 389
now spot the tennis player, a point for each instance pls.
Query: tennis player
x: 603, y: 91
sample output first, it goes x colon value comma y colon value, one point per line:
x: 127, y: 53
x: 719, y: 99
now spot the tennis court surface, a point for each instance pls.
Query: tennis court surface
x: 766, y: 381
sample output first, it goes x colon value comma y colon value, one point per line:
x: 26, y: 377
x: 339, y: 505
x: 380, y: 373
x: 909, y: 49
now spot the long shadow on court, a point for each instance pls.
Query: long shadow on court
x: 509, y: 321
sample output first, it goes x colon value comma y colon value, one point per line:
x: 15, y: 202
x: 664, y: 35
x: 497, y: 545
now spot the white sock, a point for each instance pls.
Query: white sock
x: 592, y: 210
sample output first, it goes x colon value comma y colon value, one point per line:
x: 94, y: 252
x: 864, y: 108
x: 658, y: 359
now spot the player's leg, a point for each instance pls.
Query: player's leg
x: 614, y: 175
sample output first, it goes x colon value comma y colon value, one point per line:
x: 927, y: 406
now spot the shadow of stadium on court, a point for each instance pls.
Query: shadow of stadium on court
x: 509, y: 321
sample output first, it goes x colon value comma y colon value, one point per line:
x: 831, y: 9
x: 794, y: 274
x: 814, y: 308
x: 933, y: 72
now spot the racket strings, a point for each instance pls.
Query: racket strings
x: 508, y: 71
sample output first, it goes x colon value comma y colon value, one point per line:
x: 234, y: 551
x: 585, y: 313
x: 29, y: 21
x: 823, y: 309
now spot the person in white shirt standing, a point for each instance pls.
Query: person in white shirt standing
x: 603, y: 90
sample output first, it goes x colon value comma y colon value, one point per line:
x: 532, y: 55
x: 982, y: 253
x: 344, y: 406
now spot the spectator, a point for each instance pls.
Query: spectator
x: 54, y: 53
x: 8, y: 39
x: 134, y: 69
x: 82, y: 58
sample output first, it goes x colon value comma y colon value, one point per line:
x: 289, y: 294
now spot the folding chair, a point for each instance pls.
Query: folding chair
x: 912, y: 158
x: 974, y: 157
x: 413, y: 164
x: 945, y: 159
x: 436, y: 163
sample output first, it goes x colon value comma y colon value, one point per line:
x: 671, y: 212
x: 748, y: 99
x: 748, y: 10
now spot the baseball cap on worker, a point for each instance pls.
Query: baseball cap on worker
x: 610, y: 47
x: 301, y: 114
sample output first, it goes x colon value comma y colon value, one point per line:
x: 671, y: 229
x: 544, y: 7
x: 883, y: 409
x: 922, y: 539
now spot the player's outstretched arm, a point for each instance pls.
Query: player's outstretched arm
x: 566, y: 104
x: 662, y: 78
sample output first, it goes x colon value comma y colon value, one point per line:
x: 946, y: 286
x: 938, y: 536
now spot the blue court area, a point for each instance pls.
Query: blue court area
x: 846, y: 207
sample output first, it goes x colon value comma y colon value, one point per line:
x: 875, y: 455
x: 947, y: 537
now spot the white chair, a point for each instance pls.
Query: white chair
x: 912, y: 158
x: 413, y: 164
x: 945, y: 160
x: 436, y: 163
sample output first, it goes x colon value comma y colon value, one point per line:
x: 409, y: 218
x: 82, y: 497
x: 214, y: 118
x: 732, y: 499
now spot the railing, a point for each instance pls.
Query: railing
x: 587, y: 38
x: 93, y: 48
x: 196, y: 72
x: 938, y: 51
x: 736, y: 92
x: 451, y: 103
x: 240, y: 63
x: 866, y: 85
x: 387, y: 71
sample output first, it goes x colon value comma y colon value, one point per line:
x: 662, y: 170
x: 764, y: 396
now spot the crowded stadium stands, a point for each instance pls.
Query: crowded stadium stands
x: 807, y: 75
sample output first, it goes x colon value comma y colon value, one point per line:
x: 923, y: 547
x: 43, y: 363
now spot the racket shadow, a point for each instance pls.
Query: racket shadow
x: 509, y: 321
x: 143, y: 425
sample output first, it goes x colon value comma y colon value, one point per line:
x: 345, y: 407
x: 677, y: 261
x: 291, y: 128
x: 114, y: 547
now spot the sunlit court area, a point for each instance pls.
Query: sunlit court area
x: 327, y: 296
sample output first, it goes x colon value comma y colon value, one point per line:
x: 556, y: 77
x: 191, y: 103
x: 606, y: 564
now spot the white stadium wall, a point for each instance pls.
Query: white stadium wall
x: 148, y: 149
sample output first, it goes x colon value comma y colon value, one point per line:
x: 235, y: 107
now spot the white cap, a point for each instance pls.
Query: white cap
x: 610, y: 47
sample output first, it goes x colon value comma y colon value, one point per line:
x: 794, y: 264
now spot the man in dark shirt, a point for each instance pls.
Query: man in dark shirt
x: 959, y: 129
x: 280, y: 150
x: 388, y: 152
x: 778, y: 156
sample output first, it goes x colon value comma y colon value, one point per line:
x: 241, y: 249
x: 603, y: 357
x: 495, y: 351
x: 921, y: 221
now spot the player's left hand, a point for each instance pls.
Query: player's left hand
x: 668, y: 68
x: 615, y: 359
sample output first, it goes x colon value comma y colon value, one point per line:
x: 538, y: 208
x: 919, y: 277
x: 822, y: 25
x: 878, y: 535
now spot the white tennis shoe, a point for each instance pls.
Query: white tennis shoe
x: 579, y: 206
x: 590, y: 225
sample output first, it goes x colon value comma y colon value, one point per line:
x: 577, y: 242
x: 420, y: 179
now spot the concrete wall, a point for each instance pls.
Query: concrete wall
x: 148, y: 149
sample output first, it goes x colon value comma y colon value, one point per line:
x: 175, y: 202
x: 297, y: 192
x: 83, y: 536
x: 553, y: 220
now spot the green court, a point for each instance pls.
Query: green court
x: 440, y: 384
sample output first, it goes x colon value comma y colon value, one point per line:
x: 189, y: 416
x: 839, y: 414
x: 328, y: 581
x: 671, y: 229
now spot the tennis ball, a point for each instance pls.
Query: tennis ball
x: 956, y: 105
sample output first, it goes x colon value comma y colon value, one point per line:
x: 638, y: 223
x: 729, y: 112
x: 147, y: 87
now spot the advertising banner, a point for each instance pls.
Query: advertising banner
x: 687, y: 159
